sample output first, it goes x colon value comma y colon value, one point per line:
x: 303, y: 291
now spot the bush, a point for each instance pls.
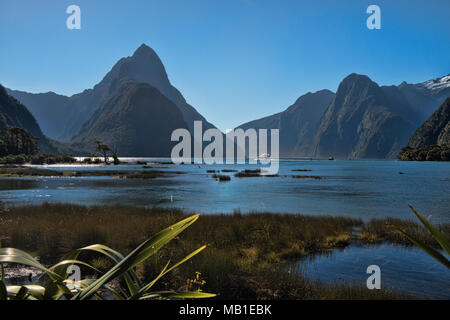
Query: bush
x: 37, y: 159
x: 425, y: 153
x: 13, y: 159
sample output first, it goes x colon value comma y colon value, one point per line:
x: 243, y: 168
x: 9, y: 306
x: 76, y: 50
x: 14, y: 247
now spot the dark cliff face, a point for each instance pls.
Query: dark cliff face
x: 145, y: 66
x: 363, y: 121
x: 136, y: 121
x: 297, y: 124
x: 15, y: 114
x: 435, y: 130
x: 48, y: 109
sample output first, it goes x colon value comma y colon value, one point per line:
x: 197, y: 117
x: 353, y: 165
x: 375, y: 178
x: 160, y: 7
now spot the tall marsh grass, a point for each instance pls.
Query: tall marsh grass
x: 246, y: 257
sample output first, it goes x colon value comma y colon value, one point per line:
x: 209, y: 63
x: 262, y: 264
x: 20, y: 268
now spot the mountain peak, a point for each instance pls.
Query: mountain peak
x: 356, y: 77
x: 144, y: 49
x: 313, y: 95
x: 145, y: 54
x: 355, y: 83
x: 436, y: 84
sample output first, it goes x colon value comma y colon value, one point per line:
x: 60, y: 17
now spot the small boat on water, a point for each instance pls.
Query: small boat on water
x: 331, y: 158
x: 264, y: 156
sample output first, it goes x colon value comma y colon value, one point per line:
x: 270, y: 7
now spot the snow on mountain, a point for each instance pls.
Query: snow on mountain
x: 436, y: 84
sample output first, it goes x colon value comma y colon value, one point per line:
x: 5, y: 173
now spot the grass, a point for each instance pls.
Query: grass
x: 18, y: 171
x: 246, y: 254
x: 123, y: 268
x: 380, y: 230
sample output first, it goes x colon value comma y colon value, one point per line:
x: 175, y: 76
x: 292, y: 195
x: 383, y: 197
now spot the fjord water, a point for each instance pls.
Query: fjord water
x: 362, y: 189
x: 408, y: 270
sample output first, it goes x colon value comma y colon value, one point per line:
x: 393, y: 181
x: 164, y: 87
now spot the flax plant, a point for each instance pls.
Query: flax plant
x: 58, y: 285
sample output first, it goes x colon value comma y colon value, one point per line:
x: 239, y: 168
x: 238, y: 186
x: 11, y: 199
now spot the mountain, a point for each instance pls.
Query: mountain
x: 48, y: 108
x: 15, y: 114
x: 426, y: 96
x: 298, y: 123
x: 137, y: 120
x: 143, y: 66
x: 439, y: 87
x: 435, y: 130
x: 364, y: 120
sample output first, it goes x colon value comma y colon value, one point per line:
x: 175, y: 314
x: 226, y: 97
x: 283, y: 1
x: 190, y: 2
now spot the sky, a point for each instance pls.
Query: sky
x: 233, y: 60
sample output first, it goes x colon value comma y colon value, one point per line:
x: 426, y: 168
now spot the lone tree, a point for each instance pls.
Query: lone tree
x: 103, y: 149
x: 116, y: 160
x: 15, y: 141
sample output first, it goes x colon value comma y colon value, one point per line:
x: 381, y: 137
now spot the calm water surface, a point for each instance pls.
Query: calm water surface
x: 402, y: 269
x: 365, y: 189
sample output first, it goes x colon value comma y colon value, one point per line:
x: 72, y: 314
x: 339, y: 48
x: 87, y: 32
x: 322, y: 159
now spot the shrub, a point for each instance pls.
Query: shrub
x: 13, y: 159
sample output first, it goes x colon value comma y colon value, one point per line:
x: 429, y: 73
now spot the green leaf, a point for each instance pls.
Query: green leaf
x: 33, y: 291
x: 3, y: 291
x: 164, y: 271
x: 431, y: 251
x: 141, y: 253
x: 22, y: 294
x: 11, y: 255
x: 131, y: 279
x: 178, y: 295
x: 55, y: 290
x: 443, y: 241
x: 72, y: 262
x: 150, y: 284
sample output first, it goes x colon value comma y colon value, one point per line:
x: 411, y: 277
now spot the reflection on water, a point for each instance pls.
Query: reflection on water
x: 408, y: 270
x: 365, y: 189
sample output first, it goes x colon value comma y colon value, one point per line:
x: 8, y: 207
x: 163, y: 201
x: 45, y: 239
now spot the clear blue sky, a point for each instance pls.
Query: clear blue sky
x: 233, y: 60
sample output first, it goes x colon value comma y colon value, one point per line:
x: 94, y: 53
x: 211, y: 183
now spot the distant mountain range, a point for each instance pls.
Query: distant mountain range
x: 135, y: 108
x: 62, y: 117
x: 298, y: 124
x: 362, y: 120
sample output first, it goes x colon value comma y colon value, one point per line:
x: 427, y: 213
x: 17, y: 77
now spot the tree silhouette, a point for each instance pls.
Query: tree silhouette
x: 103, y: 148
x: 16, y: 141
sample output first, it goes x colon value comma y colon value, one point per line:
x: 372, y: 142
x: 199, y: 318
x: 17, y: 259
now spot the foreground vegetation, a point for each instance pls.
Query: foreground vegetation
x: 440, y: 237
x: 247, y: 256
x: 20, y: 171
x: 58, y: 284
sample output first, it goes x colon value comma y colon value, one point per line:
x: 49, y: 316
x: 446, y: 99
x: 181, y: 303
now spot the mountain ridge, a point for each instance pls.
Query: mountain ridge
x: 435, y: 130
x: 143, y: 66
x: 15, y: 114
x: 135, y: 121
